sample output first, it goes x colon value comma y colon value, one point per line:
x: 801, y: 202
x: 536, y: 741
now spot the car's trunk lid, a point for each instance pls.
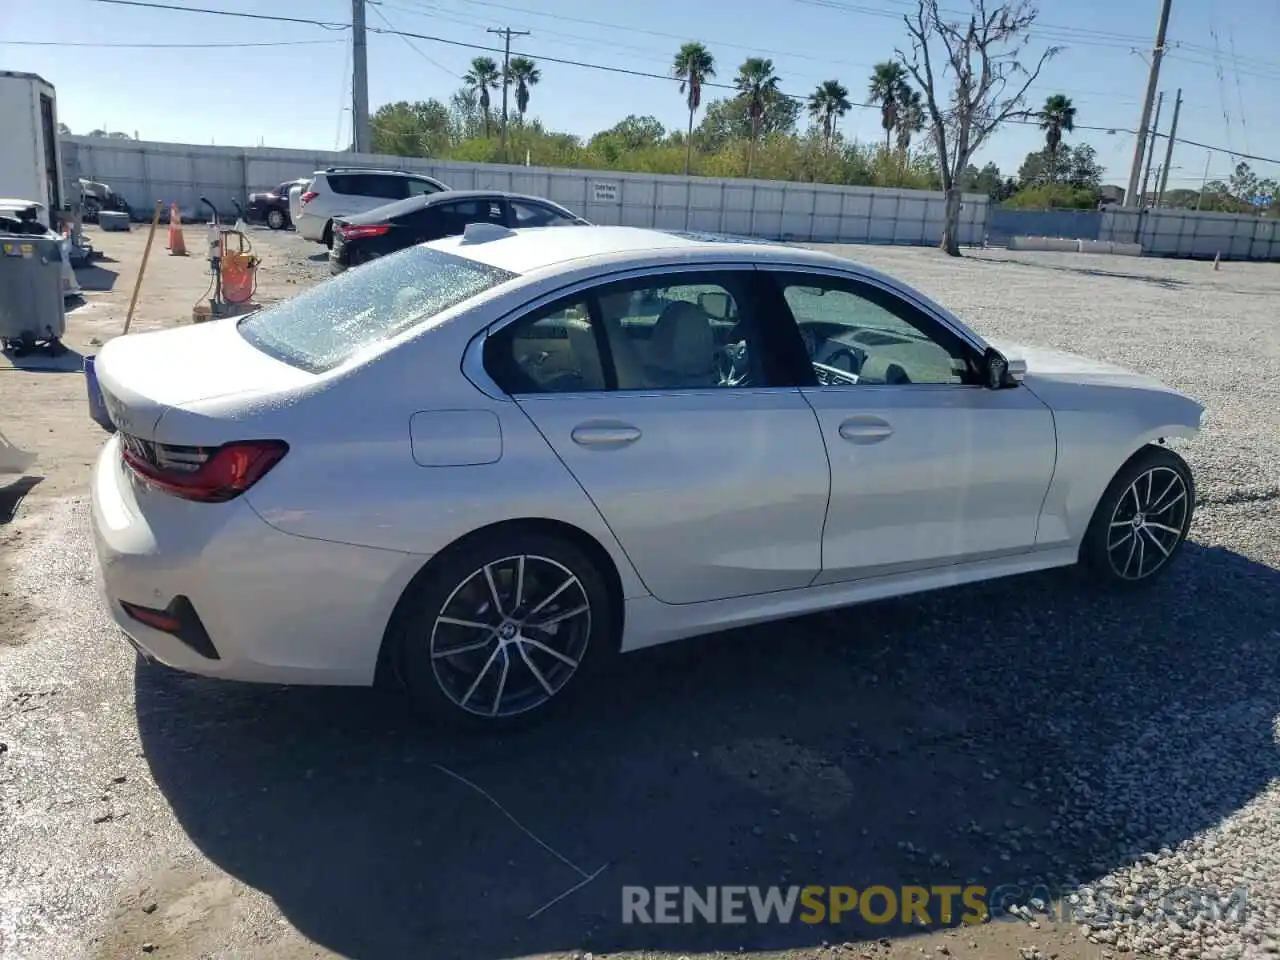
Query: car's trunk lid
x: 144, y: 376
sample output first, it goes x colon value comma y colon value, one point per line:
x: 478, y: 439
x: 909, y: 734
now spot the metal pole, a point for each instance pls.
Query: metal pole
x: 359, y: 80
x: 506, y: 33
x: 1168, y: 150
x: 1208, y: 158
x: 1153, y: 81
x: 1146, y: 175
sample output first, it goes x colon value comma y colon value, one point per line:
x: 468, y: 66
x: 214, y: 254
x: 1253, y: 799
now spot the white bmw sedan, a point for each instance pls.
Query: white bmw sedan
x: 483, y: 466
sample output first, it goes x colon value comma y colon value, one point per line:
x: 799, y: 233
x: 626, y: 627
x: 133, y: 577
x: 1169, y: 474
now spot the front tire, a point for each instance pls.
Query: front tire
x: 505, y: 629
x: 276, y: 219
x: 1142, y: 520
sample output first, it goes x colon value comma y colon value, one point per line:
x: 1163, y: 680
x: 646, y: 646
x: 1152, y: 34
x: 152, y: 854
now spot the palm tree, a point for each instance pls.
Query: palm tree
x: 888, y: 81
x: 910, y: 118
x: 1057, y: 117
x: 827, y: 104
x: 693, y: 65
x: 480, y: 79
x: 523, y: 73
x: 757, y: 82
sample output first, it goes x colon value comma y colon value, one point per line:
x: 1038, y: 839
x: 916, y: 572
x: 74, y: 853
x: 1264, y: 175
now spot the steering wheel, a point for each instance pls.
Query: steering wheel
x: 731, y: 365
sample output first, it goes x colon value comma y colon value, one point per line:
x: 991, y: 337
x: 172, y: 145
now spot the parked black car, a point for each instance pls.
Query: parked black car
x: 271, y: 208
x: 386, y: 229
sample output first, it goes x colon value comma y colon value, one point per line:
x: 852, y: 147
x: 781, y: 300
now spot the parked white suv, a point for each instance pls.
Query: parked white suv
x: 345, y: 191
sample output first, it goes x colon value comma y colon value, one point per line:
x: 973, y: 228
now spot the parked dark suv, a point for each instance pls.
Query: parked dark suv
x: 271, y: 208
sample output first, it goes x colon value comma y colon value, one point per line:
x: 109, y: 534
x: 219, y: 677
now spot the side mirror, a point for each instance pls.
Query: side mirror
x: 997, y: 373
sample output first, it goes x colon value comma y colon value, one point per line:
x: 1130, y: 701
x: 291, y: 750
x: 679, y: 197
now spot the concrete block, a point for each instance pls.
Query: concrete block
x: 1061, y: 245
x: 1026, y: 243
x: 1127, y: 249
x: 1096, y: 246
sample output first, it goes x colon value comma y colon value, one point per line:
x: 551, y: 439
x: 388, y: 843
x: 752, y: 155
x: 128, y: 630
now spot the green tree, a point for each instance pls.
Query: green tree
x: 522, y: 73
x: 1057, y: 116
x: 827, y: 104
x: 756, y: 81
x: 730, y: 119
x: 910, y: 117
x: 693, y: 66
x: 403, y: 129
x: 887, y: 88
x: 481, y: 78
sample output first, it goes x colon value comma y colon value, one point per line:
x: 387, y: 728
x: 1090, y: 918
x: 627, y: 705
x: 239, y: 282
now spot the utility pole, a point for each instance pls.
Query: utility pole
x: 506, y: 33
x: 1153, y: 81
x: 359, y: 80
x: 1208, y: 158
x: 1168, y: 150
x: 1146, y: 173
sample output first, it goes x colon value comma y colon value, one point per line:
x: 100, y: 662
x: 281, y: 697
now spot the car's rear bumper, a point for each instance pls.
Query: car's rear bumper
x: 274, y: 608
x: 310, y: 226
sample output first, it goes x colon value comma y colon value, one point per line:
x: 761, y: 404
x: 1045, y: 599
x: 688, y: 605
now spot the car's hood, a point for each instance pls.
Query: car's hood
x: 1045, y: 363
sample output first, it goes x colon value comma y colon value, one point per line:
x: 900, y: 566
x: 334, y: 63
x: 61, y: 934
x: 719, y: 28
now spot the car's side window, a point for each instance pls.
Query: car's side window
x: 419, y: 187
x: 552, y: 350
x: 454, y: 217
x: 385, y: 187
x: 861, y: 329
x: 536, y: 215
x: 678, y: 333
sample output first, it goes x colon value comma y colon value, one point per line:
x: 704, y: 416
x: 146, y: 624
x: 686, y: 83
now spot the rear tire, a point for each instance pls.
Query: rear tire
x: 504, y: 630
x: 1141, y: 521
x: 327, y: 237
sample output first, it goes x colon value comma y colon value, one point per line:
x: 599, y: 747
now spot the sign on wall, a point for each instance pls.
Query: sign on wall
x: 604, y: 192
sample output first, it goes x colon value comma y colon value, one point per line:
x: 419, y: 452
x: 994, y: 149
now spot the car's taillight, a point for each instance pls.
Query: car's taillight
x: 308, y: 196
x: 355, y: 231
x: 204, y: 474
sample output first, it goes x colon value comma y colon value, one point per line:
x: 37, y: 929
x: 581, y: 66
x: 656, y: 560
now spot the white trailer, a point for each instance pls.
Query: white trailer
x: 30, y: 149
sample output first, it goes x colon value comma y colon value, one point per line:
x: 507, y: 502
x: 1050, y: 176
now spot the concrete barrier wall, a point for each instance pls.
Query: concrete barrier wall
x: 1191, y: 233
x: 144, y: 172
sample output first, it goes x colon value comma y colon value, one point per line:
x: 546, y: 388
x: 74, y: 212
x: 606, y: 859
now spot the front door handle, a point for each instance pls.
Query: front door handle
x: 605, y: 435
x: 865, y: 429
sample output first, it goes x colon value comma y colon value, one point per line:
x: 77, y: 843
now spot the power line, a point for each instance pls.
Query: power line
x: 167, y: 46
x: 625, y: 71
x: 410, y: 44
x: 323, y: 24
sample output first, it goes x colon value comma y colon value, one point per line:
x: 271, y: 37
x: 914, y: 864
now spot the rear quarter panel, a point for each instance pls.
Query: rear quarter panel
x: 352, y: 474
x: 1100, y: 427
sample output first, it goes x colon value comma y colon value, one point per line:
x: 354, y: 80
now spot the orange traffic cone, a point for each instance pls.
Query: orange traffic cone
x: 177, y: 242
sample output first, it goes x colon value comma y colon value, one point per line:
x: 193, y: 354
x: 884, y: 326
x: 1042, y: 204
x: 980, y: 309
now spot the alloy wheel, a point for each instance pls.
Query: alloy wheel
x: 510, y: 636
x: 1148, y: 523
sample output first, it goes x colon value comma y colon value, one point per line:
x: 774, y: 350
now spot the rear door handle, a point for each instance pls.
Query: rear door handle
x: 865, y: 429
x: 605, y: 435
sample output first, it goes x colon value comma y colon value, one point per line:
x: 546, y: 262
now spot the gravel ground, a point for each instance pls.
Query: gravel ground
x: 1033, y: 735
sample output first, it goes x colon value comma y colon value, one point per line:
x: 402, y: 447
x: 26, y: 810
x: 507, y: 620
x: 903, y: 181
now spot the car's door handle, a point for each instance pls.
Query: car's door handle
x: 865, y: 429
x: 605, y: 435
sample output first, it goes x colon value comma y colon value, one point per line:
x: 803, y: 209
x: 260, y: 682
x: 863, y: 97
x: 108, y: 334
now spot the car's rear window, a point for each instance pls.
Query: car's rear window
x: 330, y: 323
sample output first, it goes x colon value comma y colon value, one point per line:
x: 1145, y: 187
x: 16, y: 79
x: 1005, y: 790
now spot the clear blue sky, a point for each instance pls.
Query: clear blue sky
x: 1224, y: 55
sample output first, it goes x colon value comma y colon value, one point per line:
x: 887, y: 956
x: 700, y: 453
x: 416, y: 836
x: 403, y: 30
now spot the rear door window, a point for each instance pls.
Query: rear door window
x: 536, y: 215
x: 454, y: 217
x: 378, y: 185
x: 332, y: 322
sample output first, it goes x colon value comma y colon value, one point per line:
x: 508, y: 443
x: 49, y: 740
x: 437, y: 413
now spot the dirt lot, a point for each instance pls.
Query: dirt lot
x: 1013, y: 734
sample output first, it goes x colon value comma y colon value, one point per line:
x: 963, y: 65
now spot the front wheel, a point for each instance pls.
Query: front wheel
x: 276, y: 219
x: 1141, y: 521
x: 503, y: 630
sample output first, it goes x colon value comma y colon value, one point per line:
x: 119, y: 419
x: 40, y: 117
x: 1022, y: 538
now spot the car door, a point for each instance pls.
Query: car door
x: 928, y: 466
x: 713, y: 479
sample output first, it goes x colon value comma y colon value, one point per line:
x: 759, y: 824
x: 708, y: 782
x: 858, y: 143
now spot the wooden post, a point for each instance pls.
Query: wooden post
x: 142, y: 267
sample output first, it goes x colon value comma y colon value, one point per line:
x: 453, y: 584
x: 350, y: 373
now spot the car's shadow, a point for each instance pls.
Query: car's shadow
x: 960, y: 736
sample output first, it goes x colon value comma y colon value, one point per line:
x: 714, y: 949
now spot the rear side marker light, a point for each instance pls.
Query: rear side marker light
x: 203, y: 474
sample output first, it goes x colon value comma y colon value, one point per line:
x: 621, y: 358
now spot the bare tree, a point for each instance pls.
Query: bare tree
x: 973, y: 80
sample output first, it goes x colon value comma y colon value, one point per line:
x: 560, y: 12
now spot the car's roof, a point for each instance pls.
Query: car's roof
x: 380, y: 171
x: 524, y: 251
x: 398, y: 208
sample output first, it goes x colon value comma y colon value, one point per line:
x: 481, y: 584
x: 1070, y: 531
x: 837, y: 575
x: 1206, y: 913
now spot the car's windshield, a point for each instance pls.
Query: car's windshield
x: 333, y: 321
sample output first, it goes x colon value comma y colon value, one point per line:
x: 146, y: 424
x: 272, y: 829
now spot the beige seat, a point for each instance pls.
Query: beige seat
x: 682, y: 351
x: 585, y: 354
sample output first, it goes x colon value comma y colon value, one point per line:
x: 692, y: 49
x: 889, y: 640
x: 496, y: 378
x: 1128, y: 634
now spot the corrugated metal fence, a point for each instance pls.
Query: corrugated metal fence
x: 1191, y: 233
x: 144, y: 172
